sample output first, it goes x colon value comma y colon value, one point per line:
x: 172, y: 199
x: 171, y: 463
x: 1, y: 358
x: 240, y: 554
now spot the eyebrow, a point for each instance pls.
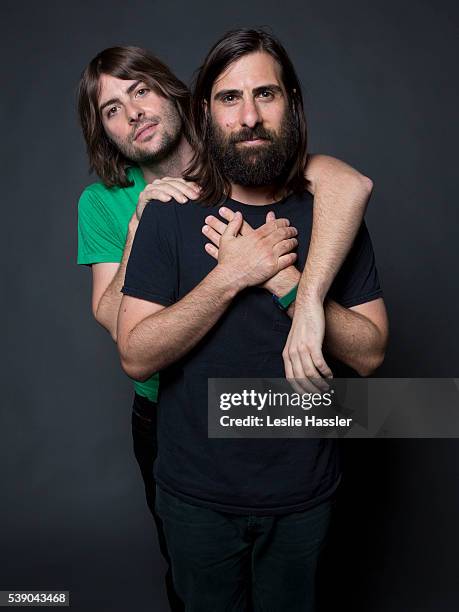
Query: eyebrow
x: 129, y: 90
x: 227, y: 92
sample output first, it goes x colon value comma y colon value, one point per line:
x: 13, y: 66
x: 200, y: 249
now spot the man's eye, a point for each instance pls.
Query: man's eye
x: 229, y: 98
x: 142, y: 92
x: 111, y: 111
x: 266, y: 93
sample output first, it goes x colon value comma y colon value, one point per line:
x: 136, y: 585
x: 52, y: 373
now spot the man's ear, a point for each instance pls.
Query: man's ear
x: 206, y: 108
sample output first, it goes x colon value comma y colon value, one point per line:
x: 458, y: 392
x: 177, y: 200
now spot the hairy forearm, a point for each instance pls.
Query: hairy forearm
x: 164, y: 337
x: 353, y: 339
x: 340, y: 198
x: 349, y: 336
x: 109, y: 304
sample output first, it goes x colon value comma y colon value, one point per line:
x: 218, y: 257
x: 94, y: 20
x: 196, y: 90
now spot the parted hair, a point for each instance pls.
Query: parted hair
x: 130, y: 63
x: 231, y: 47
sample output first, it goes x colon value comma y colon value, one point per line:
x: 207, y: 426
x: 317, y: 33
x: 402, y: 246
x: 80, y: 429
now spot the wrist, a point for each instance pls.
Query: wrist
x: 310, y: 294
x: 225, y: 281
x: 285, y: 301
x: 282, y: 282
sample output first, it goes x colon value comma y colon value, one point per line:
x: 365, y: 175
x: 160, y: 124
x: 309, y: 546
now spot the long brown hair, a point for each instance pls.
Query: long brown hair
x: 130, y: 63
x: 231, y: 47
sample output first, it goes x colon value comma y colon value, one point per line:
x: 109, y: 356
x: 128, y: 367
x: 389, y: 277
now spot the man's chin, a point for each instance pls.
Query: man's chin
x: 253, y: 156
x: 143, y: 157
x: 145, y: 154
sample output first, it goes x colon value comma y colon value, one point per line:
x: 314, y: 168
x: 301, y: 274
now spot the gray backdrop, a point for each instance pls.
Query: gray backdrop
x: 380, y: 80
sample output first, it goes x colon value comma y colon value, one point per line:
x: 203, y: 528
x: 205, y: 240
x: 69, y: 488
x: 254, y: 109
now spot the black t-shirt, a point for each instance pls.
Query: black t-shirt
x: 258, y: 476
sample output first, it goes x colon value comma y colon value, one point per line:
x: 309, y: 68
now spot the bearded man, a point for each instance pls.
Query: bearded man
x: 244, y: 519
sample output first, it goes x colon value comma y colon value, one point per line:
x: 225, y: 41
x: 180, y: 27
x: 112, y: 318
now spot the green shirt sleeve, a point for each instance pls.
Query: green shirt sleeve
x: 98, y: 236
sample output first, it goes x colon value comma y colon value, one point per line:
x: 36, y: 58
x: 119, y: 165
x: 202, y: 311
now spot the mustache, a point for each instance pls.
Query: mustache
x: 138, y: 127
x: 251, y: 134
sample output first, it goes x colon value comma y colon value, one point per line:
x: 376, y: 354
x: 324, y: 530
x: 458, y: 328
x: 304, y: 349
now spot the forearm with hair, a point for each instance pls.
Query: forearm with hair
x: 340, y: 198
x: 352, y: 338
x: 165, y: 336
x: 109, y: 304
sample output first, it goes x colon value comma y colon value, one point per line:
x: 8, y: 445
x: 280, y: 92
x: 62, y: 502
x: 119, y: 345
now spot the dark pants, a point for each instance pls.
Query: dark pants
x: 229, y: 563
x: 144, y: 413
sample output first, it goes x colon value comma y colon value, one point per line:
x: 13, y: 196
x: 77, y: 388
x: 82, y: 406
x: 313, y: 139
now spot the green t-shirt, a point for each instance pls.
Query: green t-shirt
x: 103, y: 219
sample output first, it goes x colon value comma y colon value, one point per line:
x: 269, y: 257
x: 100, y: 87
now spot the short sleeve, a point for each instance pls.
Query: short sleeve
x: 98, y: 240
x: 152, y: 269
x: 357, y: 281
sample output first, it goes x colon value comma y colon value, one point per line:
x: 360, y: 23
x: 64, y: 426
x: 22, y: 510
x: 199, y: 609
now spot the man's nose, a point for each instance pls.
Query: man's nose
x: 250, y: 114
x: 134, y: 113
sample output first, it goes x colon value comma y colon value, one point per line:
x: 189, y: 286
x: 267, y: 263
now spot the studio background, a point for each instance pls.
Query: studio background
x: 380, y: 82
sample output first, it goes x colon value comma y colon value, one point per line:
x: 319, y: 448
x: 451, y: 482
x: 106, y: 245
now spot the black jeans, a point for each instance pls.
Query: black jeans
x: 144, y: 414
x: 230, y: 563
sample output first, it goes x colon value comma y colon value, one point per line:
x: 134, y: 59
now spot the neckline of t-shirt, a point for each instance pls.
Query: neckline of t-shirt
x: 257, y: 209
x: 135, y: 174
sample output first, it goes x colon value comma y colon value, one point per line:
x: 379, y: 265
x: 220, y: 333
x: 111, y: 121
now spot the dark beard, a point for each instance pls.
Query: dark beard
x: 257, y: 166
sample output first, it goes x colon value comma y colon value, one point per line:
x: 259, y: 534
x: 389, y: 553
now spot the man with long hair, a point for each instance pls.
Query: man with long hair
x: 244, y: 519
x: 135, y: 116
